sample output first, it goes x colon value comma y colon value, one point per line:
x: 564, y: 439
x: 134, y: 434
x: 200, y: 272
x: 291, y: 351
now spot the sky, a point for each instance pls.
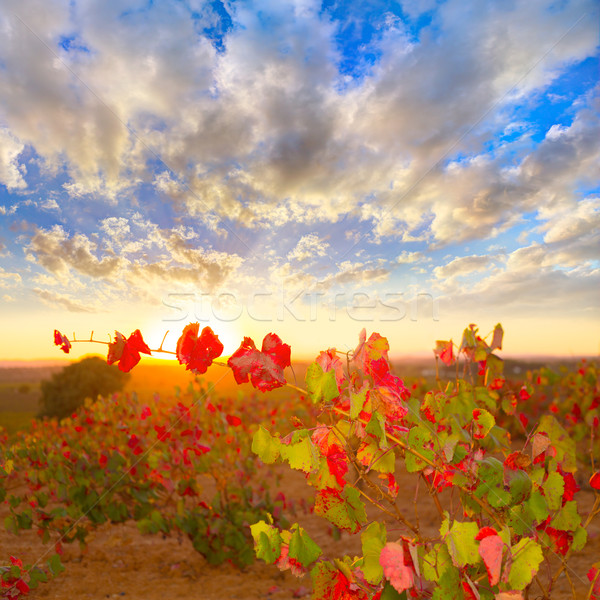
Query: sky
x: 302, y: 167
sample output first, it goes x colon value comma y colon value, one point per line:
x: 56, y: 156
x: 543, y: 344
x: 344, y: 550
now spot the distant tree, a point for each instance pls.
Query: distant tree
x: 67, y: 390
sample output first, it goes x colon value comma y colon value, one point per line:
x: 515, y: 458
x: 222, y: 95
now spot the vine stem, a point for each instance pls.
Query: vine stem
x: 434, y: 495
x: 571, y: 584
x: 398, y: 514
x: 541, y: 586
x: 437, y: 373
x: 93, y: 341
x: 418, y: 455
x: 389, y: 513
x: 592, y: 448
x: 298, y: 389
x: 484, y: 505
x: 593, y: 512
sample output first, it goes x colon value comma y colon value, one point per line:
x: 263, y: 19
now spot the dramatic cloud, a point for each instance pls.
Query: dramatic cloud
x: 58, y: 252
x: 268, y: 131
x: 444, y: 148
x: 170, y: 259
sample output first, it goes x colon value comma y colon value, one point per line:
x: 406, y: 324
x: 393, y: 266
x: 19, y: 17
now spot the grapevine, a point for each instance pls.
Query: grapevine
x: 500, y: 472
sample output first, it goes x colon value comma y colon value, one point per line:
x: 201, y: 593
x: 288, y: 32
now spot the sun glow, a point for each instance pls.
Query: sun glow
x: 158, y: 336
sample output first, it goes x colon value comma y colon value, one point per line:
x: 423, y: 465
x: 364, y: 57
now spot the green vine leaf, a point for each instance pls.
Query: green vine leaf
x: 373, y: 539
x: 345, y: 510
x: 526, y: 558
x: 301, y: 455
x: 461, y: 544
x: 303, y: 548
x: 266, y: 446
x: 267, y: 541
x: 321, y: 386
x: 419, y: 438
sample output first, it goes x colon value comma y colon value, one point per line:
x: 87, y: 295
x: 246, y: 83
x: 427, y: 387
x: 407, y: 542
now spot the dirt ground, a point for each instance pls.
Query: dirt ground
x: 121, y: 563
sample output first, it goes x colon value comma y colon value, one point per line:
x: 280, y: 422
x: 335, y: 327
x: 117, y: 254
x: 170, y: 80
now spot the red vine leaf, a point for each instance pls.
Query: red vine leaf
x: 330, y: 583
x: 372, y: 354
x: 62, y: 341
x: 593, y: 577
x: 490, y: 549
x: 571, y: 487
x: 396, y: 566
x: 285, y: 562
x: 595, y: 480
x: 561, y: 540
x: 233, y: 420
x: 328, y: 361
x: 22, y: 587
x: 264, y: 368
x: 485, y: 532
x: 470, y: 591
x: 198, y: 352
x: 444, y: 351
x: 127, y: 351
x: 524, y: 394
x: 517, y: 460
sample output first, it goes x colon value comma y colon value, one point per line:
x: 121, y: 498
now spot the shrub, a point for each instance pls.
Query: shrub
x: 67, y: 390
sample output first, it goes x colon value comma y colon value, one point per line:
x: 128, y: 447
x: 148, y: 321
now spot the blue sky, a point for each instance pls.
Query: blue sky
x: 308, y: 168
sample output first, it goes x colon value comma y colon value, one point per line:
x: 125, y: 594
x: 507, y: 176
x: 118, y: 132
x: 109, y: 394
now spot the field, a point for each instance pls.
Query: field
x: 180, y: 455
x: 119, y: 562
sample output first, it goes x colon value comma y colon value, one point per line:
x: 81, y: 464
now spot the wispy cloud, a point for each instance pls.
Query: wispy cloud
x: 57, y: 300
x: 444, y: 147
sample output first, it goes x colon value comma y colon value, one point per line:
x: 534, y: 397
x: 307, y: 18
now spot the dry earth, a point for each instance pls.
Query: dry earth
x: 121, y: 563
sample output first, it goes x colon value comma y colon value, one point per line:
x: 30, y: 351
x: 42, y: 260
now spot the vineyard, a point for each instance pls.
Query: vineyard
x: 354, y: 484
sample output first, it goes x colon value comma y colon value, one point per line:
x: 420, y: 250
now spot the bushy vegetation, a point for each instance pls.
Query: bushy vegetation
x: 503, y: 474
x: 67, y: 390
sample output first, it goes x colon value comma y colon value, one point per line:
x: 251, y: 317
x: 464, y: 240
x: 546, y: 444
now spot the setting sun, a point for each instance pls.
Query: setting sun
x: 299, y: 298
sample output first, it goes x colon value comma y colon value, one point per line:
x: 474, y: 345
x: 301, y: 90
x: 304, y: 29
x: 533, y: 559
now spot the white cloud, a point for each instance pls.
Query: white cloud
x: 115, y: 227
x: 58, y: 253
x: 464, y: 265
x: 8, y: 279
x: 576, y: 226
x: 44, y: 280
x: 50, y: 204
x: 266, y: 132
x: 532, y: 280
x: 406, y: 257
x: 171, y: 258
x: 309, y: 246
x: 351, y: 274
x: 11, y: 172
x: 184, y: 264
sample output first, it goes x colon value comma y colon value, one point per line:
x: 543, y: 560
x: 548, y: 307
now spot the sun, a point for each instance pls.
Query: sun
x: 167, y: 334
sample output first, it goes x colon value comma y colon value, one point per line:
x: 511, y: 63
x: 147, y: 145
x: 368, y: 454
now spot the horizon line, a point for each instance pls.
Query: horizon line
x: 41, y: 362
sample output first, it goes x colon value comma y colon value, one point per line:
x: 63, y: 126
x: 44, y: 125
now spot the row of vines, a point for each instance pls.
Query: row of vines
x: 503, y: 462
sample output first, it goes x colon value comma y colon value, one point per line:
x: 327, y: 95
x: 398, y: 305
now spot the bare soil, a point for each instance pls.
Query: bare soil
x: 119, y: 562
